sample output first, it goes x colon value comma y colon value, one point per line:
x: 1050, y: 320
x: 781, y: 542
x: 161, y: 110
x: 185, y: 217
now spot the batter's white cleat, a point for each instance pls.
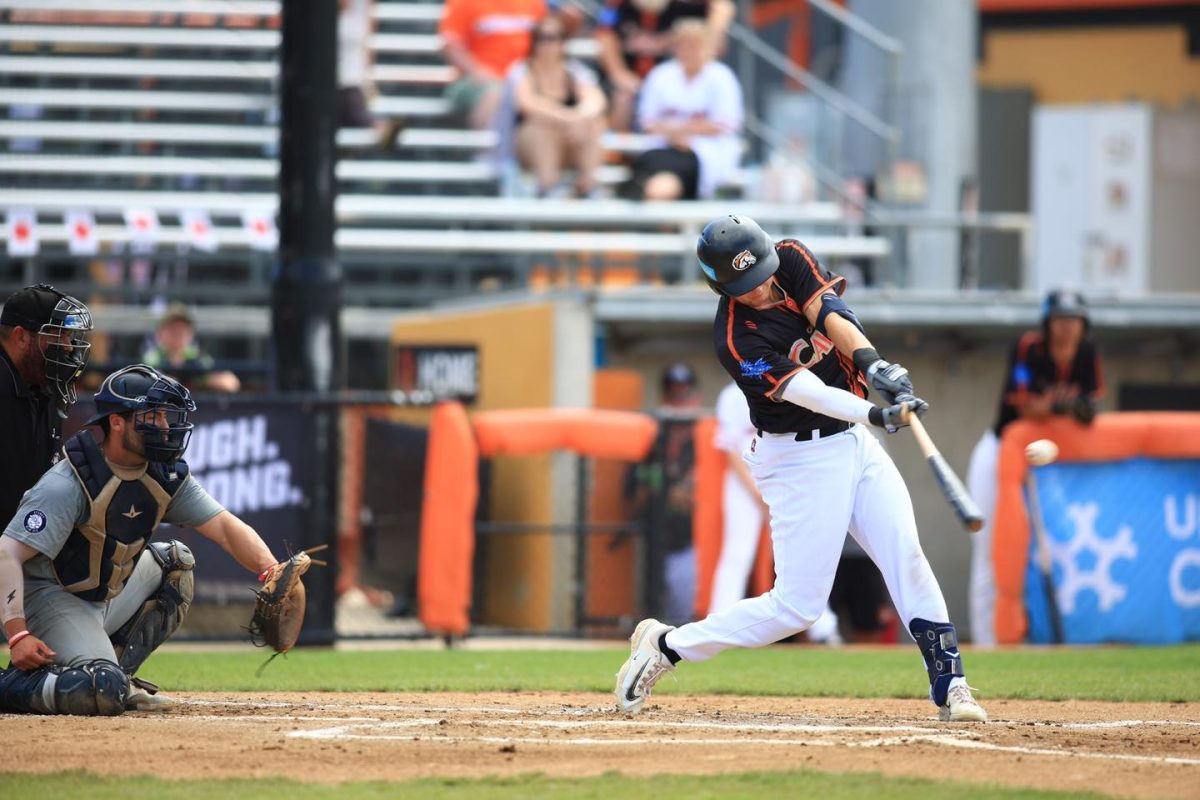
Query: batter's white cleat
x: 645, y: 665
x: 961, y: 706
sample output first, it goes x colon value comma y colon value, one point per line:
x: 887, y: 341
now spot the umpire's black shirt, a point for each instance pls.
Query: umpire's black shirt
x: 30, y: 436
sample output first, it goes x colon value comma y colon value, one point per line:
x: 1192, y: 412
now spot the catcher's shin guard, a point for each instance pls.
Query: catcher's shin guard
x: 163, y: 612
x: 939, y: 647
x: 91, y: 689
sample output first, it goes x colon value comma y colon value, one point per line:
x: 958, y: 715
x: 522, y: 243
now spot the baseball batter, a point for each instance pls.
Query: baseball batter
x: 802, y: 359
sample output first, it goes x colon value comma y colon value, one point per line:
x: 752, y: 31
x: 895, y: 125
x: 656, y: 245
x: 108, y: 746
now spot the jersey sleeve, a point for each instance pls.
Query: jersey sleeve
x: 749, y: 358
x: 191, y: 506
x: 1018, y: 375
x: 802, y: 275
x: 49, y: 511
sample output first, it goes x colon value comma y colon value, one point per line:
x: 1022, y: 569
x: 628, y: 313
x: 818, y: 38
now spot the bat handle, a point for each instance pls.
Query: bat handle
x: 924, y: 441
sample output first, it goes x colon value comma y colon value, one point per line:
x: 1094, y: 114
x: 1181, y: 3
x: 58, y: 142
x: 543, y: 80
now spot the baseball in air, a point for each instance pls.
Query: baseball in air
x: 1041, y: 452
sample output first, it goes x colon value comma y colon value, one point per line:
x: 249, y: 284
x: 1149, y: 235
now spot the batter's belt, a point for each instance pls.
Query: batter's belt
x: 810, y: 435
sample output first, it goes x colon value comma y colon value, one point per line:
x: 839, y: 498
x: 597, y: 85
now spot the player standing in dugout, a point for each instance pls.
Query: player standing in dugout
x: 803, y: 361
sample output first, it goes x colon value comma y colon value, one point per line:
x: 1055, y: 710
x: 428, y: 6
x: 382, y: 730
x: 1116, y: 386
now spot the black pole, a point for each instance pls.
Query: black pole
x: 306, y: 283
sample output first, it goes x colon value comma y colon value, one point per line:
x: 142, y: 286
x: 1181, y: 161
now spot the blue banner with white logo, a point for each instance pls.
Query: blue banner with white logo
x: 1124, y: 537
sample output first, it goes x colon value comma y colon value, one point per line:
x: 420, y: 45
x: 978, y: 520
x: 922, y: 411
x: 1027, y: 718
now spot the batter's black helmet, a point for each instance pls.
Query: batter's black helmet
x: 160, y: 406
x: 1064, y: 303
x: 736, y: 255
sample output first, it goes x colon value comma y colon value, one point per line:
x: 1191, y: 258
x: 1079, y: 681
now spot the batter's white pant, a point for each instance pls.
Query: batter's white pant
x: 78, y: 630
x: 816, y: 491
x: 981, y: 483
x: 742, y: 522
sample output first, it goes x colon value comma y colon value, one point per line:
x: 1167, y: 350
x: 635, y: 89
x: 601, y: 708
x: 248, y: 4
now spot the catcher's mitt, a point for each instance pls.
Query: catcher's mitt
x: 279, y: 607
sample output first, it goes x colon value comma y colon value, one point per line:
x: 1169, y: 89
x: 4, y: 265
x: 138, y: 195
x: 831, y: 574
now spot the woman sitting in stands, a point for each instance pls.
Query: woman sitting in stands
x: 559, y: 113
x: 692, y: 105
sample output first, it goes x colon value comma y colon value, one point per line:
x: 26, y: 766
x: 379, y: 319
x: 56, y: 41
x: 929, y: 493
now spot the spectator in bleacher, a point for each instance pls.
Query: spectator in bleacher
x: 176, y: 353
x: 635, y: 36
x: 692, y: 106
x: 355, y: 58
x: 559, y: 112
x: 482, y: 39
x: 1053, y: 371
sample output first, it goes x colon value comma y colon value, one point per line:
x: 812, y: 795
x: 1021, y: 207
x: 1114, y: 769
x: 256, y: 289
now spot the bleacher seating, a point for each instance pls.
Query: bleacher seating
x: 107, y: 105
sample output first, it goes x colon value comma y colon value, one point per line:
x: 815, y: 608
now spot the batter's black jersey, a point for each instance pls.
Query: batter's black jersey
x: 763, y: 348
x: 31, y: 430
x: 1031, y: 370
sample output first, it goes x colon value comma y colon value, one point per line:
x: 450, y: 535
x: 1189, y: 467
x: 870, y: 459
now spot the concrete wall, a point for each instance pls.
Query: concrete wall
x: 962, y: 382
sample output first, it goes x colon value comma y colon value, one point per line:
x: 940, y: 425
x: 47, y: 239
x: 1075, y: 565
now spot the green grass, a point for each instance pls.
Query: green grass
x: 755, y: 785
x: 1170, y: 674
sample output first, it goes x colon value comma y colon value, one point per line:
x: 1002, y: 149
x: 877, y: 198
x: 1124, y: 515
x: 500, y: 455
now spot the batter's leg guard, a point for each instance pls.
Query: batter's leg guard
x: 939, y: 647
x: 90, y: 689
x: 163, y: 612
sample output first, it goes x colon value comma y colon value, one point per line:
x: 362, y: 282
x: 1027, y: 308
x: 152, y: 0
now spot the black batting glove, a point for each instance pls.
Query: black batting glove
x: 918, y: 406
x: 893, y: 417
x: 890, y: 380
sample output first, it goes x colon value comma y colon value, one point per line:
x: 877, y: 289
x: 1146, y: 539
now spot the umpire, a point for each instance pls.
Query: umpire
x: 43, y: 349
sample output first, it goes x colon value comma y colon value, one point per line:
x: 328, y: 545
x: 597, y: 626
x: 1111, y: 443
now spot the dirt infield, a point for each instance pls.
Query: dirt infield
x: 1133, y: 750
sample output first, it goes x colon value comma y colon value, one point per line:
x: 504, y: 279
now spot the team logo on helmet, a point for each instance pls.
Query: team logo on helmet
x: 744, y: 260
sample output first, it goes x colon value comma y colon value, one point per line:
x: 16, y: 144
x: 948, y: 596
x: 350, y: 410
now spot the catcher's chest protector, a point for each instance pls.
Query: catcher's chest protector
x: 123, y: 514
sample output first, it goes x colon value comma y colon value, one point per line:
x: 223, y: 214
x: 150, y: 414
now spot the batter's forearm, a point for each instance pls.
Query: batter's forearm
x: 846, y: 337
x: 807, y: 390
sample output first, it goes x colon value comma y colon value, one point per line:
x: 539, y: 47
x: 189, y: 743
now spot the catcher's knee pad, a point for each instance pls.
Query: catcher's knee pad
x: 90, y: 689
x: 939, y: 647
x: 163, y: 612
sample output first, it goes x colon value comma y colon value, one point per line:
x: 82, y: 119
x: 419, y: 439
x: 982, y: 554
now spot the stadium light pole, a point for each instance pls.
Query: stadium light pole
x: 306, y: 282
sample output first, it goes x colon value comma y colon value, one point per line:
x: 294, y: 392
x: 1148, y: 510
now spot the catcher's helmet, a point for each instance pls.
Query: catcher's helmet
x: 160, y: 406
x: 736, y: 255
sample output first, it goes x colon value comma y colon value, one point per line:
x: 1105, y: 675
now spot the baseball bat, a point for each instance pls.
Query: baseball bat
x: 956, y: 494
x: 1045, y: 565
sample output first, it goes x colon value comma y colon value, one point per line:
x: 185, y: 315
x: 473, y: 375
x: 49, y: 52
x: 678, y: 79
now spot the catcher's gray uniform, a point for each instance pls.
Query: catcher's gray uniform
x: 76, y: 629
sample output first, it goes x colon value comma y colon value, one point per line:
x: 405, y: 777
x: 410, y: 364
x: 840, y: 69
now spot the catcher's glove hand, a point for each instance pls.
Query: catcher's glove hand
x: 279, y: 607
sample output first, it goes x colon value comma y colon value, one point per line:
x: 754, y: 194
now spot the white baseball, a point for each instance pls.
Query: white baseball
x: 1041, y: 452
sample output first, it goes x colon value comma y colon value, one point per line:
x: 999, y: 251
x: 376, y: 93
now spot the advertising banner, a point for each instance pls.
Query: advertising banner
x: 255, y: 460
x: 1124, y: 537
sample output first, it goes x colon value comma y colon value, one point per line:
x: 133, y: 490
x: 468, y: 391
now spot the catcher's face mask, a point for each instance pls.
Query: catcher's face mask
x: 163, y: 424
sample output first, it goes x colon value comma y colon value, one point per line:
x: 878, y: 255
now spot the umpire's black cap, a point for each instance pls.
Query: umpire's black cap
x: 30, y: 308
x: 736, y: 255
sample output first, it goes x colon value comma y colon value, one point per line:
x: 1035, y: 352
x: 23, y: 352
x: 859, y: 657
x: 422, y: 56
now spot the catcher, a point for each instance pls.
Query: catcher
x: 85, y: 596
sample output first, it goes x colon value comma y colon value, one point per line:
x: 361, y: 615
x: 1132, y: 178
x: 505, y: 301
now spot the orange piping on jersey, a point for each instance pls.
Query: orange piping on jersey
x: 803, y: 251
x: 729, y: 332
x: 781, y: 382
x: 853, y: 376
x: 824, y: 288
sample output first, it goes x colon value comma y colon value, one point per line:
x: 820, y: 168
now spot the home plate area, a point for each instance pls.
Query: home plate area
x: 1135, y: 750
